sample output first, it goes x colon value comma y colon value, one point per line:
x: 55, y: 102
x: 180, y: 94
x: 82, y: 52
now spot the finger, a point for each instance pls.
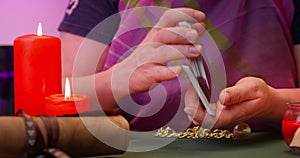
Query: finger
x: 157, y: 72
x: 176, y: 35
x: 194, y: 115
x: 232, y: 115
x: 162, y: 53
x: 177, y: 70
x: 191, y: 97
x: 163, y: 73
x: 241, y: 92
x: 194, y: 121
x: 183, y: 35
x: 199, y: 27
x: 148, y: 75
x: 172, y: 16
x: 176, y: 52
x: 192, y: 107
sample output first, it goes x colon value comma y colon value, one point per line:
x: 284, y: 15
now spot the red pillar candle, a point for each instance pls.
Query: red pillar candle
x: 62, y: 104
x: 37, y: 71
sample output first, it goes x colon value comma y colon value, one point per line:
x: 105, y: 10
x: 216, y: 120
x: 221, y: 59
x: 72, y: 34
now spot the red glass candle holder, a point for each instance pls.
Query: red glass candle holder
x: 58, y: 105
x: 291, y: 121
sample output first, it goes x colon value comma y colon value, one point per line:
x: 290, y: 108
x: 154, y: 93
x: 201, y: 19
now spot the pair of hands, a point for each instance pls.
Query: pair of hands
x: 249, y: 98
x: 165, y: 42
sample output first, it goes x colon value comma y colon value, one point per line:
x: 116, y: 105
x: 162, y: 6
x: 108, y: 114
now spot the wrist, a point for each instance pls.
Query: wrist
x: 108, y: 95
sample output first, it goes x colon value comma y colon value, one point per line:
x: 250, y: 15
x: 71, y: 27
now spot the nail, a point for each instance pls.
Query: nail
x: 176, y: 69
x: 191, y: 35
x: 195, y: 49
x: 190, y: 118
x: 222, y: 97
x: 189, y: 111
x: 199, y: 16
x: 196, y: 123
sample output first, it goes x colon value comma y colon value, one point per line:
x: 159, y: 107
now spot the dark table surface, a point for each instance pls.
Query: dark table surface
x: 257, y: 145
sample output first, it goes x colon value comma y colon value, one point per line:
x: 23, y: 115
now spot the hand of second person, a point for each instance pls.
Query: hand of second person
x: 249, y: 98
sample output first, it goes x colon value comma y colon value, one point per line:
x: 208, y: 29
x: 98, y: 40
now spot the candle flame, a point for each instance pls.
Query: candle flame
x: 40, y: 29
x: 67, y: 89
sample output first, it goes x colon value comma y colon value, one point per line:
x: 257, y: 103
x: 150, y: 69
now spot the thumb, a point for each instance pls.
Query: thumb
x: 164, y: 73
x: 244, y: 90
x: 177, y: 70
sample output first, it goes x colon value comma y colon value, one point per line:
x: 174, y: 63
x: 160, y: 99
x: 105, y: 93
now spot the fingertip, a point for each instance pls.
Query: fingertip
x: 176, y: 69
x: 203, y: 25
x: 187, y: 110
x: 196, y: 50
x: 193, y: 121
x: 200, y: 16
x: 196, y: 123
x: 190, y: 118
x: 222, y: 97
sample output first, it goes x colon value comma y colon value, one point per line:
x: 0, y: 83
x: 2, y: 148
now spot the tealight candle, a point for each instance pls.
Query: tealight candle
x: 62, y: 104
x: 291, y: 122
x: 37, y: 71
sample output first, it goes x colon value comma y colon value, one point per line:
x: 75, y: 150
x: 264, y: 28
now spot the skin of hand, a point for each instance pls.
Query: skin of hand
x: 249, y: 98
x: 145, y: 67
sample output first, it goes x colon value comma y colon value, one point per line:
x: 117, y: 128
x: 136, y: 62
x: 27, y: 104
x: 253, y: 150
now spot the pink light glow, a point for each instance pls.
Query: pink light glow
x: 21, y: 17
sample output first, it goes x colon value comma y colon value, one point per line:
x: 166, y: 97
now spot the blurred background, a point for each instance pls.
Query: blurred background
x: 18, y: 18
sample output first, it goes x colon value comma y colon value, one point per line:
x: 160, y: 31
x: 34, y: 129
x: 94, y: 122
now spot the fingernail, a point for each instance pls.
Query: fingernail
x: 222, y: 97
x: 191, y: 35
x: 196, y: 123
x: 190, y: 118
x: 189, y: 111
x: 195, y: 49
x: 176, y: 69
x: 199, y: 16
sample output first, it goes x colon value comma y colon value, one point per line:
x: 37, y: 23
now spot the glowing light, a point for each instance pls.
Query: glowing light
x: 40, y: 29
x: 67, y: 89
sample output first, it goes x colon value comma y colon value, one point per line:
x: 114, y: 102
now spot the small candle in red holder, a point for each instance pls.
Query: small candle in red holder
x: 37, y: 71
x: 289, y: 127
x: 62, y: 104
x: 291, y: 121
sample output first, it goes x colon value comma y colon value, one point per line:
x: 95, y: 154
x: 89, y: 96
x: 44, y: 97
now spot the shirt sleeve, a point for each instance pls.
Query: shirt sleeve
x: 94, y: 19
x: 295, y: 30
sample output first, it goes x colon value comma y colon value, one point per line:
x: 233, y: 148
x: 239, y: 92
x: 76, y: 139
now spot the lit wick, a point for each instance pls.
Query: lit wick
x: 40, y: 29
x: 67, y: 89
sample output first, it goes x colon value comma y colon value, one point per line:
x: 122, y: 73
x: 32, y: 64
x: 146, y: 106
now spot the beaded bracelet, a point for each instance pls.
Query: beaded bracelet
x: 35, y: 144
x: 34, y: 140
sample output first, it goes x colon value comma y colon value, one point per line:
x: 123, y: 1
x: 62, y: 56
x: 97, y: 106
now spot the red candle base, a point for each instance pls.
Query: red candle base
x: 289, y: 128
x: 57, y: 104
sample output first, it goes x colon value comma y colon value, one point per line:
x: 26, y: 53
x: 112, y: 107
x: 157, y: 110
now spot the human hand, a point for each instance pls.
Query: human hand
x: 249, y: 98
x: 145, y: 67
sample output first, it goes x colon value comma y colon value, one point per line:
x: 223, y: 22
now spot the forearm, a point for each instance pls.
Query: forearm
x: 91, y: 136
x: 99, y: 89
x: 297, y: 59
x: 282, y: 96
x: 74, y: 135
x: 105, y: 95
x: 278, y: 101
x: 82, y: 53
x: 12, y: 137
